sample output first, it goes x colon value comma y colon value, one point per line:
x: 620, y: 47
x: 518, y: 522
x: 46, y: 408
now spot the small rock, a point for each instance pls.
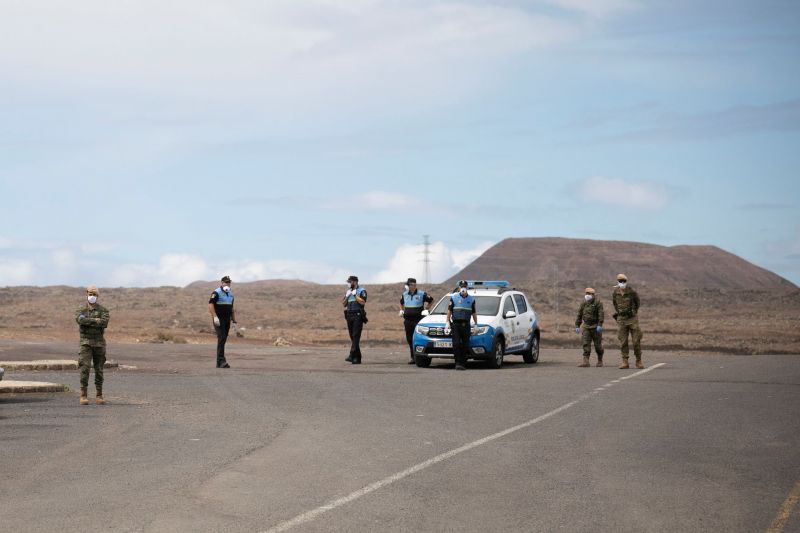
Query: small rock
x: 280, y: 341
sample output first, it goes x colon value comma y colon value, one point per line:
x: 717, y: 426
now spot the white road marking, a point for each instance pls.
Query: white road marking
x: 645, y: 371
x: 333, y: 504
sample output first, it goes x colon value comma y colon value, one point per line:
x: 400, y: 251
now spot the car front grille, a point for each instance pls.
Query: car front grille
x: 437, y: 332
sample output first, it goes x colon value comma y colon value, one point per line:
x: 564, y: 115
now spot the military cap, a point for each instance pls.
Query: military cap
x: 411, y: 280
x: 92, y: 289
x: 352, y: 278
x: 226, y: 279
x: 622, y: 277
x: 589, y: 290
x: 463, y: 283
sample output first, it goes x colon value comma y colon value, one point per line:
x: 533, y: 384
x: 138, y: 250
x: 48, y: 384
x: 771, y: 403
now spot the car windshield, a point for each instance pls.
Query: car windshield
x: 484, y: 305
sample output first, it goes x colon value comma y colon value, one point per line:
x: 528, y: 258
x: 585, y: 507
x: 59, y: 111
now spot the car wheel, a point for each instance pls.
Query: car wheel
x: 422, y: 361
x: 531, y: 355
x: 498, y: 351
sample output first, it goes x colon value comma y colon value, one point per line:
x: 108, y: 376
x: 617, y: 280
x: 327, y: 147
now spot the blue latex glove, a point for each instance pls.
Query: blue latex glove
x: 578, y: 331
x: 81, y: 317
x: 599, y: 329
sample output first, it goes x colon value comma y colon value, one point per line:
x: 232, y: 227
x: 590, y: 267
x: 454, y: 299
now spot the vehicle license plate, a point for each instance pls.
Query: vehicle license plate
x: 443, y: 344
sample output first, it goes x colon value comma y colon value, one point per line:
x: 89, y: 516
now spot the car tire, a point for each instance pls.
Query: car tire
x: 498, y: 352
x: 422, y: 361
x: 531, y: 355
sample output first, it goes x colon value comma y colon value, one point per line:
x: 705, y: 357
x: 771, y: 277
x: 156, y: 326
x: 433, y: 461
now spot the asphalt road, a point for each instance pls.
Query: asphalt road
x: 296, y: 438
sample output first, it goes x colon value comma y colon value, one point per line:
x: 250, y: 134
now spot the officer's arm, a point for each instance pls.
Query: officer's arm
x: 600, y: 314
x: 233, y: 314
x: 635, y: 302
x: 211, y: 302
x: 211, y: 310
x: 102, y: 320
x: 580, y: 316
x: 474, y: 313
x: 402, y: 304
x: 427, y: 301
x: 361, y: 300
x: 85, y: 321
x: 448, y: 320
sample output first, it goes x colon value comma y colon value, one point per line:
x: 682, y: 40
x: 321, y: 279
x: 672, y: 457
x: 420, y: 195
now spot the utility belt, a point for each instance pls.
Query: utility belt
x: 461, y: 322
x: 352, y: 314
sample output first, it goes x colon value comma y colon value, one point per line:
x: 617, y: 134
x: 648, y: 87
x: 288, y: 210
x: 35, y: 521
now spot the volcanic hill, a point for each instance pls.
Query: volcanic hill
x: 591, y: 261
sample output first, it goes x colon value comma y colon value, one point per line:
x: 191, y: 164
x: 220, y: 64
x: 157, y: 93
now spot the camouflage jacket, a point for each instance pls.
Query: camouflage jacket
x: 590, y: 314
x: 626, y: 302
x: 93, y: 320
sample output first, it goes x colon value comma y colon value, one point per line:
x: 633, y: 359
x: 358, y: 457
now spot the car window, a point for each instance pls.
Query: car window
x: 484, y: 305
x: 521, y: 304
x: 508, y: 305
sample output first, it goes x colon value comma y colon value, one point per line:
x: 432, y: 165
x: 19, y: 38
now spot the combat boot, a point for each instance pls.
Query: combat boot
x: 599, y: 362
x: 100, y: 400
x: 84, y: 396
x: 639, y: 363
x: 624, y: 364
x: 585, y: 363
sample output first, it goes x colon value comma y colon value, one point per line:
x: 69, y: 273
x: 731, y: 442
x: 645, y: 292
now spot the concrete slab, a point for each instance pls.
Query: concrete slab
x: 15, y: 387
x: 47, y: 364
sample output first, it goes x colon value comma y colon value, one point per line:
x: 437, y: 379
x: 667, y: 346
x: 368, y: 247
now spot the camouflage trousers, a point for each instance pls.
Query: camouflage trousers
x: 589, y: 336
x: 630, y: 327
x: 92, y: 356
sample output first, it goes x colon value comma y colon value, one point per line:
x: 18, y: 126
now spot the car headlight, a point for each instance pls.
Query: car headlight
x: 423, y: 330
x: 480, y: 330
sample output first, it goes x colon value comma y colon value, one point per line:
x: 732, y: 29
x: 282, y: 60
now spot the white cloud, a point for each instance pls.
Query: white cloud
x: 644, y: 195
x: 308, y: 54
x: 16, y: 272
x: 408, y: 262
x: 181, y: 269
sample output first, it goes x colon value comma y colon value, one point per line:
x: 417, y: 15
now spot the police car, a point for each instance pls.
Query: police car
x: 507, y: 325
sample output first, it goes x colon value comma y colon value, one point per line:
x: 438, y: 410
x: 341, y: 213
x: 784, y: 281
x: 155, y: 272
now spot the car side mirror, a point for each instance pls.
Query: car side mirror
x: 509, y: 314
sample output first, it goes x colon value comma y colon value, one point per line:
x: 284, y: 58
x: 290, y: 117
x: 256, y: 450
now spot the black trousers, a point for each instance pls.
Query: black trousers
x: 410, y: 323
x: 222, y: 337
x: 461, y: 332
x: 355, y: 323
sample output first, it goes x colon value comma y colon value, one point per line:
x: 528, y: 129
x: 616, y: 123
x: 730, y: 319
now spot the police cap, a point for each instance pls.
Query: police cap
x: 463, y: 283
x: 352, y: 278
x: 411, y: 280
x: 226, y: 279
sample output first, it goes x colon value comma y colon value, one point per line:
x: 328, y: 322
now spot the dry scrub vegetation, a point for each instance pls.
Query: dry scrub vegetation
x: 704, y: 320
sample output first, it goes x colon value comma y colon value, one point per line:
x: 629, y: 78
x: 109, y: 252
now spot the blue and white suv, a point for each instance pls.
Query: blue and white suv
x: 507, y: 325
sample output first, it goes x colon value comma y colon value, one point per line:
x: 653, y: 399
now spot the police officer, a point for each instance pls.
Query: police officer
x: 590, y: 315
x: 93, y: 320
x: 354, y: 312
x: 412, y: 303
x: 459, y: 312
x: 220, y: 307
x: 626, y: 307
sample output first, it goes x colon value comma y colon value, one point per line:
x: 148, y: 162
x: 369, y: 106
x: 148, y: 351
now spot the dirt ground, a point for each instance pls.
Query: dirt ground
x: 299, y: 313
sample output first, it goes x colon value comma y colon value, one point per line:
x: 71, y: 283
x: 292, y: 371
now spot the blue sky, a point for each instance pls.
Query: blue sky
x: 154, y: 143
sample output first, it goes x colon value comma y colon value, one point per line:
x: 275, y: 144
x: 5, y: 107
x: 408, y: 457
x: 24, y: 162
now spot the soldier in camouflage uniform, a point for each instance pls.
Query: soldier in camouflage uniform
x: 626, y: 305
x: 590, y: 315
x: 93, y: 320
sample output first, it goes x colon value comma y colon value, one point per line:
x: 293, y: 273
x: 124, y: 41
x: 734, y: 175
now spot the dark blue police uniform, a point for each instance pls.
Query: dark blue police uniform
x: 413, y: 304
x: 354, y: 314
x: 223, y: 307
x: 462, y: 308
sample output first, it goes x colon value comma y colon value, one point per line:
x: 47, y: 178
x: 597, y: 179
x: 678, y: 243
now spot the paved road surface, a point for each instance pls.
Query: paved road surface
x: 702, y: 443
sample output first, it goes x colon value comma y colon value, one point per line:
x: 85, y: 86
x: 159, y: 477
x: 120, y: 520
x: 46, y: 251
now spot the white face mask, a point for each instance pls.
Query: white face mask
x: 463, y: 292
x: 588, y: 297
x: 226, y: 288
x: 92, y: 298
x: 622, y: 284
x: 406, y: 288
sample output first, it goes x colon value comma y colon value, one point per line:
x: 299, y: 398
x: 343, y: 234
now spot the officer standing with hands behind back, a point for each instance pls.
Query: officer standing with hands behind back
x: 353, y: 302
x: 220, y: 306
x: 412, y: 303
x: 459, y: 313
